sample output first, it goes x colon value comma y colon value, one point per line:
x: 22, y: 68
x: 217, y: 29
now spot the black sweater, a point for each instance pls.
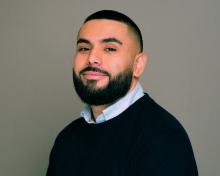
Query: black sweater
x: 144, y: 140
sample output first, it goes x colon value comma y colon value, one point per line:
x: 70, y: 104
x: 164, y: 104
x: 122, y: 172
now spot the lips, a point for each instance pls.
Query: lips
x: 93, y: 75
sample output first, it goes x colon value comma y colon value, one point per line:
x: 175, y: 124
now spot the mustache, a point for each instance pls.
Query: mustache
x: 94, y: 69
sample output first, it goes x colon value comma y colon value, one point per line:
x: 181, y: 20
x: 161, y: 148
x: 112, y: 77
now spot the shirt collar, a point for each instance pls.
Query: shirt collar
x: 115, y: 109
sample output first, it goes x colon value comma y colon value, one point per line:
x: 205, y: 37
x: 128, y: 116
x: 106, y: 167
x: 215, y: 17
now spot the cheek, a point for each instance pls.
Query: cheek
x: 78, y: 63
x: 115, y: 69
x: 113, y: 64
x: 119, y: 65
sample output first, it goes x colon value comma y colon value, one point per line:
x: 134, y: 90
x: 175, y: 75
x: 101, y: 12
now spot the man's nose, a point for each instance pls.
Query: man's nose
x: 95, y: 57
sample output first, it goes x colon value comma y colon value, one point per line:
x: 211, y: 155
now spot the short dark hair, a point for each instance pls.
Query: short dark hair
x: 117, y: 16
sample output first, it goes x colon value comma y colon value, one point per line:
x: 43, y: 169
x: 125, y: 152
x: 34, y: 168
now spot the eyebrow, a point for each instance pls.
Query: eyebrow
x: 106, y: 40
x: 112, y: 39
x: 83, y: 40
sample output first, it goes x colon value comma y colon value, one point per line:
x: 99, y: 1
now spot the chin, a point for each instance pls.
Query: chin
x: 96, y: 84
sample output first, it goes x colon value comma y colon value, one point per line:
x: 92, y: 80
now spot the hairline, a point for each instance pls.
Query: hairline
x: 130, y: 28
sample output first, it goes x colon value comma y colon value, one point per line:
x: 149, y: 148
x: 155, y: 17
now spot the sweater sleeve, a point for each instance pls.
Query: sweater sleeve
x: 166, y: 154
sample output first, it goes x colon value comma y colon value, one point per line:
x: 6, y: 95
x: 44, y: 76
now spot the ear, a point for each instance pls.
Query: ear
x: 139, y: 64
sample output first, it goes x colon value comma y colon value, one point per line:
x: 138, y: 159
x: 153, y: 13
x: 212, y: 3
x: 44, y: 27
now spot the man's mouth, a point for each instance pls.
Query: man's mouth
x: 93, y: 75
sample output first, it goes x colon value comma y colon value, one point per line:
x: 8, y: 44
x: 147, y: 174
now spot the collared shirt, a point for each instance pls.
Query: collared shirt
x: 115, y: 109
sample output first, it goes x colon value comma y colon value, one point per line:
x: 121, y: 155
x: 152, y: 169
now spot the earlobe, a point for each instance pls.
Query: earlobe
x: 139, y: 64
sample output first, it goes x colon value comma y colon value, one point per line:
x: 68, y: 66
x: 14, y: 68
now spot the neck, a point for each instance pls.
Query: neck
x: 97, y: 110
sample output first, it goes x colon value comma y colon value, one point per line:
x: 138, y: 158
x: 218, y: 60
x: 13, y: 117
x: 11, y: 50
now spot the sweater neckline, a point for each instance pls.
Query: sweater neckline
x: 138, y: 104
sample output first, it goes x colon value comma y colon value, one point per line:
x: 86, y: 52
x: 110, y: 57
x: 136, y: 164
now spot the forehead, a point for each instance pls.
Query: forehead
x: 102, y: 28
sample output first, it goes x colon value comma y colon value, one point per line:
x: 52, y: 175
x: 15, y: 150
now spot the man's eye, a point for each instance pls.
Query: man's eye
x: 83, y: 49
x: 110, y: 49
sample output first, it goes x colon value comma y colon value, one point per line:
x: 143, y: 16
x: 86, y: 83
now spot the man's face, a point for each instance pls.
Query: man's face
x: 103, y: 62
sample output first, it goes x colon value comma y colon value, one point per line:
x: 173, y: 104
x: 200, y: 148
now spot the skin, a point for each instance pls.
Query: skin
x: 111, y: 46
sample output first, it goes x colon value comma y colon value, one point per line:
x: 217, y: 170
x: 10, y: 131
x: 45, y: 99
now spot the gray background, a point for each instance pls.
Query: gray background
x: 36, y: 98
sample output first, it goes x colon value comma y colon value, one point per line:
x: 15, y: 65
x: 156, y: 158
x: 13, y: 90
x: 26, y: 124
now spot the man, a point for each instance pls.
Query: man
x: 121, y: 131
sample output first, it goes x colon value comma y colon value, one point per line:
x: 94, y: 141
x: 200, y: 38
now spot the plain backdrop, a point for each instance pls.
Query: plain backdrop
x: 37, y: 39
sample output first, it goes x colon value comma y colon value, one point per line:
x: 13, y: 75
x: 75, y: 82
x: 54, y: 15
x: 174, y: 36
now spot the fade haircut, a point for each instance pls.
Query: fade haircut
x: 117, y: 16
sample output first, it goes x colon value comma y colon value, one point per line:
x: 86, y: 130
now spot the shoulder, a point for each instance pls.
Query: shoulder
x: 153, y: 120
x: 71, y: 130
x: 161, y: 139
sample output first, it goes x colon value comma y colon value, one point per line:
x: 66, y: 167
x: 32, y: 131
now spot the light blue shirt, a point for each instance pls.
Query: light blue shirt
x: 115, y: 109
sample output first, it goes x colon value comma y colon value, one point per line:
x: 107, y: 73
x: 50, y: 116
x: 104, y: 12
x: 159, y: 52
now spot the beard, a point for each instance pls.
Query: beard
x: 117, y: 87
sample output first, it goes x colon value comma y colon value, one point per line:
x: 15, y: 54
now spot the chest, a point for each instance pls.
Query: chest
x: 93, y: 153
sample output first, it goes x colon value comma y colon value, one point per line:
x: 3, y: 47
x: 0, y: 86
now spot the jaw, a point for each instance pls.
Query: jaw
x: 133, y: 83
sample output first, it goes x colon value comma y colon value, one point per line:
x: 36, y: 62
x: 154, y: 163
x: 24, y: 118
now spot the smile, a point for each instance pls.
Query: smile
x: 92, y: 75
